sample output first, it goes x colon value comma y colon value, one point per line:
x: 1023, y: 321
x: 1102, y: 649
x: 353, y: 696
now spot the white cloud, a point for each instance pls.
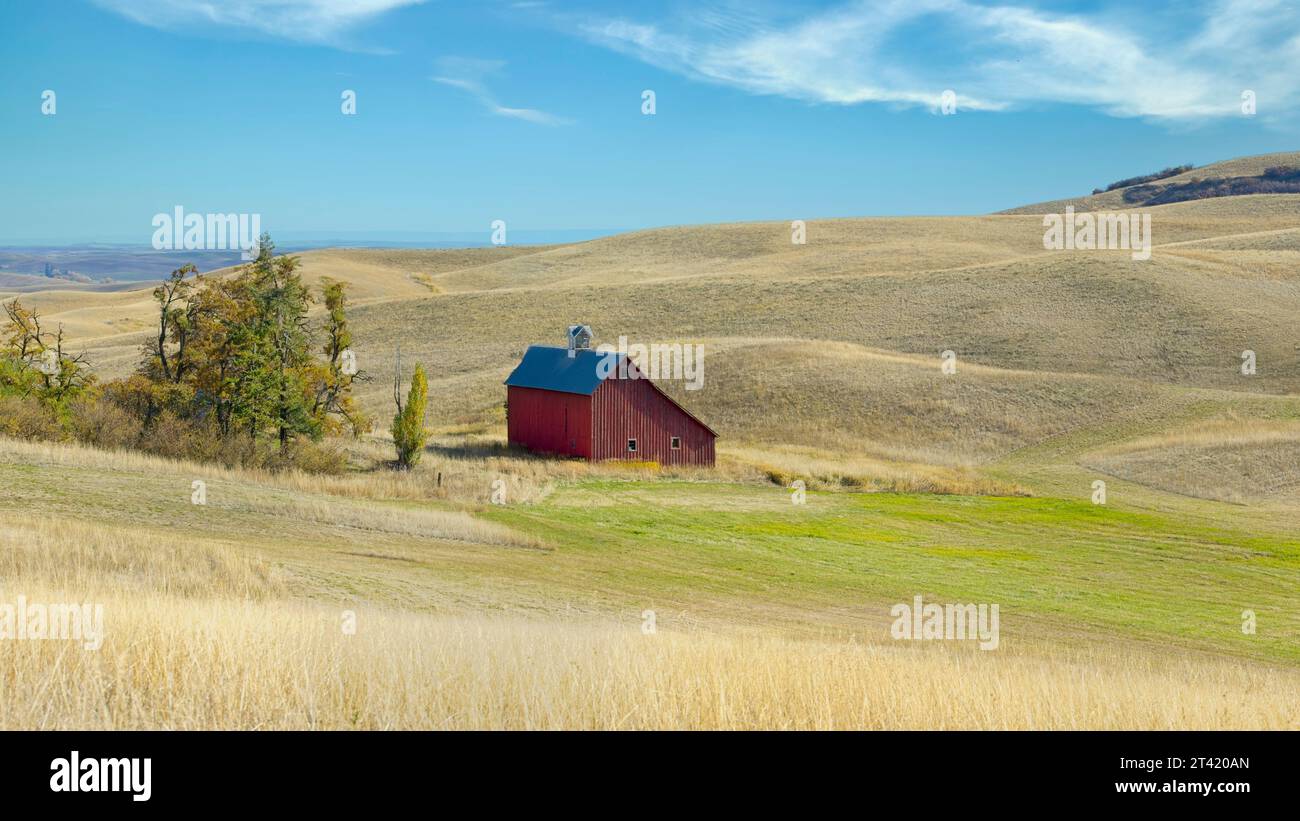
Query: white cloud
x: 1130, y: 63
x: 313, y: 21
x: 469, y: 75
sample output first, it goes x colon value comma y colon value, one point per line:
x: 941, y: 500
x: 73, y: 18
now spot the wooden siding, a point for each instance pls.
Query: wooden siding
x: 549, y: 421
x: 625, y: 409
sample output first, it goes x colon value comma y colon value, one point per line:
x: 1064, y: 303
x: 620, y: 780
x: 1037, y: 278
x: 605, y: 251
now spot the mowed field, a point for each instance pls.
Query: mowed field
x: 822, y: 364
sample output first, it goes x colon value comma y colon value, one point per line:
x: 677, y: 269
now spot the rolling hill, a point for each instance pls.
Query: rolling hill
x: 835, y: 344
x: 1242, y: 167
x: 822, y: 364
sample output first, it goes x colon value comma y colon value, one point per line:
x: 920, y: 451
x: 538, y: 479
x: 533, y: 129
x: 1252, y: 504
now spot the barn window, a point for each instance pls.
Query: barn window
x: 677, y: 443
x: 631, y: 446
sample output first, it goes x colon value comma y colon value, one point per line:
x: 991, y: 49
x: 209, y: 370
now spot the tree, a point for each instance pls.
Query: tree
x: 175, y: 322
x: 23, y: 349
x: 333, y: 379
x: 34, y: 361
x: 283, y: 341
x: 222, y: 351
x: 408, y: 424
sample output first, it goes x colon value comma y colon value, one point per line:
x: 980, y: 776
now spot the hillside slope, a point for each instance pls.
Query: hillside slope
x: 834, y: 346
x: 822, y: 364
x: 1114, y: 200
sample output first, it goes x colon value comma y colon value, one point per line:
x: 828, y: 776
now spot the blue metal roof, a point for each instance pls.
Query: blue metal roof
x: 551, y: 369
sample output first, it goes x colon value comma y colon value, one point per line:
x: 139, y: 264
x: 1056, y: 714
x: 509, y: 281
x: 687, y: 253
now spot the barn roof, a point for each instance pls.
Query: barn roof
x: 552, y: 369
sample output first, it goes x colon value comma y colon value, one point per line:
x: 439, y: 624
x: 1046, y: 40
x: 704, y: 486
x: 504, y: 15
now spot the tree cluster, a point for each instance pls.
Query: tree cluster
x: 234, y: 370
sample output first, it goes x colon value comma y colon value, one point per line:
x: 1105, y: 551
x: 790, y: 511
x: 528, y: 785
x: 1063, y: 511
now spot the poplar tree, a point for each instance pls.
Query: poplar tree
x: 408, y: 424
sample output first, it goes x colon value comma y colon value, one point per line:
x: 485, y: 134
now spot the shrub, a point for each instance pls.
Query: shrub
x: 28, y: 418
x: 312, y: 457
x: 1273, y: 181
x: 1159, y: 175
x: 95, y: 420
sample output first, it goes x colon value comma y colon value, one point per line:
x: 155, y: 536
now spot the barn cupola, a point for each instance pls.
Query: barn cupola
x: 579, y: 339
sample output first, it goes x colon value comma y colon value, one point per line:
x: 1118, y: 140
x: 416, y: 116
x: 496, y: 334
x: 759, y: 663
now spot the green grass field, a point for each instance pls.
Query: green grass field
x: 1061, y: 570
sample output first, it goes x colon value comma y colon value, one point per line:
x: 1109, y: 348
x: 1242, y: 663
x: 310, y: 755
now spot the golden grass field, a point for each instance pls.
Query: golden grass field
x: 223, y: 662
x: 823, y: 365
x: 238, y: 623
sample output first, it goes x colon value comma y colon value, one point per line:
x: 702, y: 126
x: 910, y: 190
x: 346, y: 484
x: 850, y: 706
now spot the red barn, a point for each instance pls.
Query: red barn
x: 573, y: 402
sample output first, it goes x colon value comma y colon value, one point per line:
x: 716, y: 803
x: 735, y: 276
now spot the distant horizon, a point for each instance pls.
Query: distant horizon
x: 321, y: 239
x: 139, y: 261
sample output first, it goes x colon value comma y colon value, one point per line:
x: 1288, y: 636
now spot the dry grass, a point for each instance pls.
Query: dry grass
x: 185, y: 664
x: 831, y: 347
x: 982, y: 286
x: 457, y: 526
x: 466, y: 473
x: 367, y: 502
x: 1215, y: 433
x: 73, y: 556
x: 824, y: 470
x: 1231, y: 460
x: 458, y: 469
x: 822, y: 364
x: 201, y: 634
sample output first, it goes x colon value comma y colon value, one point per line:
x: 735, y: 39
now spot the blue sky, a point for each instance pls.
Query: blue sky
x: 530, y: 112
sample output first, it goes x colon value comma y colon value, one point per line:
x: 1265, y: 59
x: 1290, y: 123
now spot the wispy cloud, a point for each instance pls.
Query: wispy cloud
x: 313, y: 21
x: 469, y: 75
x: 907, y: 52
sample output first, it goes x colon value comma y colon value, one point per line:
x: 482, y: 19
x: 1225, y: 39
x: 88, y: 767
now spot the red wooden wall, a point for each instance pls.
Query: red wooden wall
x: 549, y: 421
x: 625, y: 409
